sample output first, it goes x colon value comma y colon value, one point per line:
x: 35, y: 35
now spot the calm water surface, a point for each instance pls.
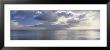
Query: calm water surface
x: 55, y: 35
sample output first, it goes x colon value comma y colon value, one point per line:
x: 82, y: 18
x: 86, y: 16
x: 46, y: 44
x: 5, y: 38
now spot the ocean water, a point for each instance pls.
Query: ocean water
x: 55, y: 34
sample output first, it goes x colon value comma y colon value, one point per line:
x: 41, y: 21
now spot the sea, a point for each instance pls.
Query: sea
x: 55, y: 34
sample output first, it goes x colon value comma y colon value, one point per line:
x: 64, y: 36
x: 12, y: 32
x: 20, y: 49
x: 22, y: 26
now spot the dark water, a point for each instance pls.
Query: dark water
x: 55, y: 35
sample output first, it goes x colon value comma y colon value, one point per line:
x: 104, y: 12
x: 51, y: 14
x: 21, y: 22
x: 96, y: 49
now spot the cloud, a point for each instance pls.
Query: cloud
x: 85, y: 18
x: 69, y: 17
x: 65, y: 13
x: 15, y: 25
x: 92, y: 19
x: 46, y: 15
x: 58, y: 17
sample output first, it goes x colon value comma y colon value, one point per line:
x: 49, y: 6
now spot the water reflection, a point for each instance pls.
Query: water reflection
x: 55, y: 35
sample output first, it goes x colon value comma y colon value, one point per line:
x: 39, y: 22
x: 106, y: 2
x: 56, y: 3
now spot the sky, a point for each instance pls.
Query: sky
x: 72, y: 18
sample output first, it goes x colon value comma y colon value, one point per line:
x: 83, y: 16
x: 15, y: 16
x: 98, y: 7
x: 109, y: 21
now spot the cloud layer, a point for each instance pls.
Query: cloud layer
x: 71, y: 18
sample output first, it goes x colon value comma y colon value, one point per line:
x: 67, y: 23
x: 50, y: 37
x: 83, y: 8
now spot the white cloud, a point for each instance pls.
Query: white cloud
x: 92, y: 20
x: 62, y: 20
x: 15, y: 25
x: 38, y: 12
x: 85, y: 18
